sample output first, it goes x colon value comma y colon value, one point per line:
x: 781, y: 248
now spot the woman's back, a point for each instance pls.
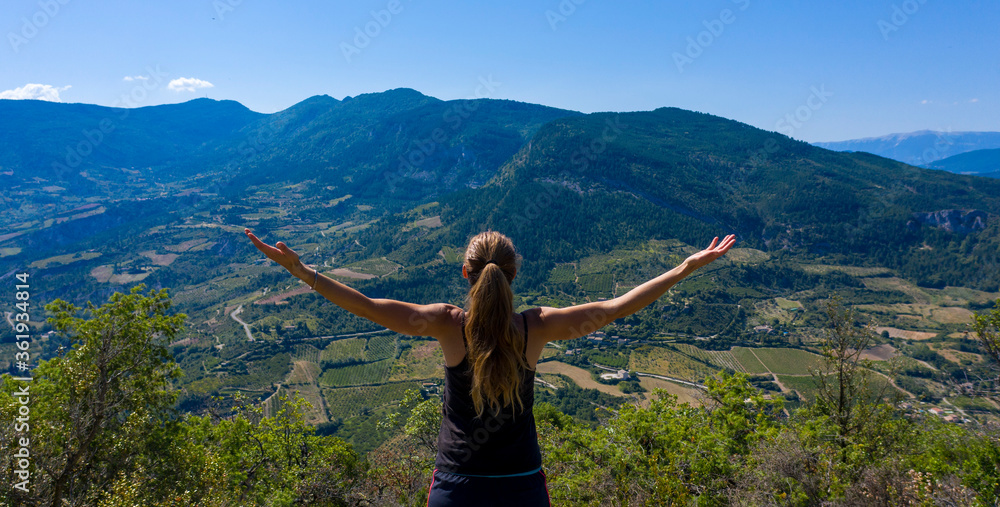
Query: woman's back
x: 496, y: 444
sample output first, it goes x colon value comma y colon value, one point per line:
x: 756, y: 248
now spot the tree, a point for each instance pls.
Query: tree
x: 848, y: 392
x: 987, y: 328
x: 95, y: 407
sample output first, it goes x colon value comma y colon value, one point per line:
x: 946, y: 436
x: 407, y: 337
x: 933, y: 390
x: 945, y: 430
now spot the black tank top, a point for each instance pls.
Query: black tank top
x: 496, y: 444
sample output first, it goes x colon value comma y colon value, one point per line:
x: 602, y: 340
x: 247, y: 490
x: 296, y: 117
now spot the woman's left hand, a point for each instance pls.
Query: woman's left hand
x: 279, y: 253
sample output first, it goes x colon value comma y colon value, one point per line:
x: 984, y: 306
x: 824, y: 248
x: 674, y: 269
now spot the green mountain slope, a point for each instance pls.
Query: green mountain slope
x: 979, y: 162
x: 588, y: 184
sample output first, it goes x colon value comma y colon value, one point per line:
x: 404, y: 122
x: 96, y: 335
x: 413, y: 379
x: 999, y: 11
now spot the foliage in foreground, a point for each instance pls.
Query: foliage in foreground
x: 105, y: 433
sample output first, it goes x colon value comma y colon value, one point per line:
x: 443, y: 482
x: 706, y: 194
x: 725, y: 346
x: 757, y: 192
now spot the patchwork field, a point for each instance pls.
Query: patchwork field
x: 347, y: 273
x: 579, y: 375
x: 62, y: 260
x: 304, y: 372
x: 747, y: 256
x: 352, y: 401
x: 904, y: 334
x: 160, y: 259
x: 278, y: 299
x: 669, y: 362
x: 107, y: 274
x: 720, y: 358
x: 684, y: 394
x: 898, y: 285
x: 357, y: 374
x: 825, y: 269
x: 882, y: 352
x: 315, y: 413
x: 422, y: 360
x: 749, y: 360
x: 933, y: 313
x: 788, y: 361
x: 373, y: 267
x: 346, y: 349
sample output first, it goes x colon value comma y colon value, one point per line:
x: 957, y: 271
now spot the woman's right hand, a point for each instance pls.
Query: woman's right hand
x: 279, y: 253
x: 714, y: 251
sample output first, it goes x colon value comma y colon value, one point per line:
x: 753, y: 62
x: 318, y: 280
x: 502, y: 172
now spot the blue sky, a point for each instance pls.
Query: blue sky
x: 819, y: 71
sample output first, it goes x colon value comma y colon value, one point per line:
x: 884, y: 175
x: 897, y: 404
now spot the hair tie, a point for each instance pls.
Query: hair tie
x: 491, y: 261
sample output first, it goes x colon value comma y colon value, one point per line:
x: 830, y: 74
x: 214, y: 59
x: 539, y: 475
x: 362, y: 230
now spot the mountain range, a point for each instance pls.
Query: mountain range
x: 922, y: 148
x: 383, y: 191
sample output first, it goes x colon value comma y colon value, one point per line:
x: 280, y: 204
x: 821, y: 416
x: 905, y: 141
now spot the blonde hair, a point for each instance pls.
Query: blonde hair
x: 494, y: 345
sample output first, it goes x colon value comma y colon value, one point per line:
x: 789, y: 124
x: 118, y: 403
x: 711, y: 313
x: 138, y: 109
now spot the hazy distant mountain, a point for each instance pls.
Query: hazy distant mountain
x: 979, y: 162
x: 919, y: 148
x: 57, y: 141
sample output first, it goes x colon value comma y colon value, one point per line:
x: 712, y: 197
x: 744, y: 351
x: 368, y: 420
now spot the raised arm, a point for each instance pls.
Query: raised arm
x: 435, y: 320
x: 581, y: 320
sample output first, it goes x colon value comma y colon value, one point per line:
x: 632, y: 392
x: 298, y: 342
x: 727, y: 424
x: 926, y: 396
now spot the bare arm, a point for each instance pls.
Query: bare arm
x: 581, y: 320
x: 405, y: 318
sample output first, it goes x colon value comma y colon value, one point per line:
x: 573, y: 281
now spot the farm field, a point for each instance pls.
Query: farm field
x: 579, y: 375
x: 788, y: 361
x: 748, y: 360
x: 933, y: 313
x: 684, y: 394
x: 825, y: 269
x: 374, y: 267
x: 62, y: 260
x: 452, y: 255
x: 805, y: 386
x: 304, y: 372
x: 348, y: 348
x: 305, y: 352
x: 352, y: 401
x: 381, y: 347
x: 720, y: 358
x: 563, y: 273
x: 422, y: 360
x: 669, y: 362
x: 357, y: 374
x: 315, y: 413
x: 904, y: 334
x: 747, y: 256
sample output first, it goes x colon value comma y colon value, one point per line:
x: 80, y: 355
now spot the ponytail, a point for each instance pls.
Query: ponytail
x: 494, y: 345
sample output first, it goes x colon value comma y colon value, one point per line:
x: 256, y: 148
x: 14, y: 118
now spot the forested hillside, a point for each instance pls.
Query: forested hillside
x: 383, y: 191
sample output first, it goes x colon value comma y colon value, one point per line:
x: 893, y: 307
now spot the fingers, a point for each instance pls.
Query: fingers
x: 256, y: 241
x: 714, y: 242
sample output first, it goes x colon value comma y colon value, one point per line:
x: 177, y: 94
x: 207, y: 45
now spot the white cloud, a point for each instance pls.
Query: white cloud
x: 925, y: 101
x: 133, y: 78
x: 34, y: 91
x: 974, y: 101
x: 188, y: 84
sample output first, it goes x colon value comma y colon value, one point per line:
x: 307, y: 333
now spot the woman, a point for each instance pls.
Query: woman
x: 487, y: 448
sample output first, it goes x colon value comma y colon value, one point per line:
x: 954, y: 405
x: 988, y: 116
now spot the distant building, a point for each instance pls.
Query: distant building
x: 620, y: 375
